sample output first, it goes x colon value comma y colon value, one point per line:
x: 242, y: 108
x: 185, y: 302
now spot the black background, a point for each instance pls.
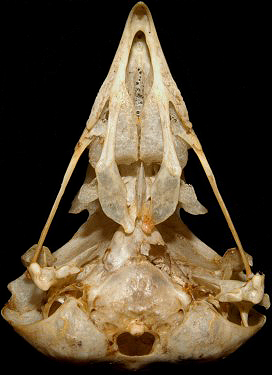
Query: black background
x: 54, y: 58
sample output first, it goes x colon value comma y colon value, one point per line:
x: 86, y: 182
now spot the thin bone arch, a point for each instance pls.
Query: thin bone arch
x: 134, y: 284
x: 139, y: 27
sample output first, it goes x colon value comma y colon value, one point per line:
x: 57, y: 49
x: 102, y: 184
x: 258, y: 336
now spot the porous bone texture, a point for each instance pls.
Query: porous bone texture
x: 134, y: 285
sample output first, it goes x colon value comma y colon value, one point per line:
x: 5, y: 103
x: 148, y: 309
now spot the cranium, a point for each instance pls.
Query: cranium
x: 134, y: 285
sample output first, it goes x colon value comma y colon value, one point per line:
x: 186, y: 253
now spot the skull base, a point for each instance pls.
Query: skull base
x: 134, y: 285
x: 151, y: 307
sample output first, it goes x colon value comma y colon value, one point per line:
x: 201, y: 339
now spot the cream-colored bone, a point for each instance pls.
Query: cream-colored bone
x: 45, y: 277
x: 237, y: 291
x: 111, y: 189
x: 134, y: 285
x: 141, y: 189
x: 189, y: 201
x: 165, y: 190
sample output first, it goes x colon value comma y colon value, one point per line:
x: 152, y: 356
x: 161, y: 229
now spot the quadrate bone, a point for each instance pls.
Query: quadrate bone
x: 134, y: 285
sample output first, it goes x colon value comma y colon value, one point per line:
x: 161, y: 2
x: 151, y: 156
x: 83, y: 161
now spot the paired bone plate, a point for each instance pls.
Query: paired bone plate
x: 134, y: 285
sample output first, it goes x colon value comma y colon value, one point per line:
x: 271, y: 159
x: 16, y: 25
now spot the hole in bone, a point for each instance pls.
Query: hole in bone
x: 200, y: 292
x: 256, y: 315
x: 156, y: 168
x: 231, y: 312
x: 64, y: 226
x: 135, y: 345
x: 76, y: 293
x: 54, y: 307
x: 139, y: 72
x: 139, y: 12
x: 200, y: 225
x: 157, y: 251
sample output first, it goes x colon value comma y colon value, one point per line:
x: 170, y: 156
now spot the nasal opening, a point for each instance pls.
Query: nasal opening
x: 135, y: 345
x: 140, y: 10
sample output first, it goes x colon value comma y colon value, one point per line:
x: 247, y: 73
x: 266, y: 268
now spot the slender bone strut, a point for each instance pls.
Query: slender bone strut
x: 140, y: 93
x: 134, y: 281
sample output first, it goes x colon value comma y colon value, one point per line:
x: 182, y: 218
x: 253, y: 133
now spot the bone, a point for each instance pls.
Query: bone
x: 111, y: 189
x: 165, y: 189
x: 189, y: 201
x: 134, y: 285
x: 45, y: 277
x: 141, y: 189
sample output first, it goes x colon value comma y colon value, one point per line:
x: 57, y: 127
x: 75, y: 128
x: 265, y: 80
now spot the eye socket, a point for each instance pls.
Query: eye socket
x: 135, y: 345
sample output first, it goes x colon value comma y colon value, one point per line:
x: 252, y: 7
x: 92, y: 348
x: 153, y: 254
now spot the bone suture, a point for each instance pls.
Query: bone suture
x: 134, y: 285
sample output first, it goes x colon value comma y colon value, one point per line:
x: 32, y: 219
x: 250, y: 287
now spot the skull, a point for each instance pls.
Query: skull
x: 134, y: 285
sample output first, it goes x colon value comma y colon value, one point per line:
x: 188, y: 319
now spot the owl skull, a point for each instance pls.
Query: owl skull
x: 134, y: 285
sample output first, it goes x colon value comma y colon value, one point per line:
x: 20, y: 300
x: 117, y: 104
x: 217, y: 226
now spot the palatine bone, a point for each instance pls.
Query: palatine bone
x: 134, y: 285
